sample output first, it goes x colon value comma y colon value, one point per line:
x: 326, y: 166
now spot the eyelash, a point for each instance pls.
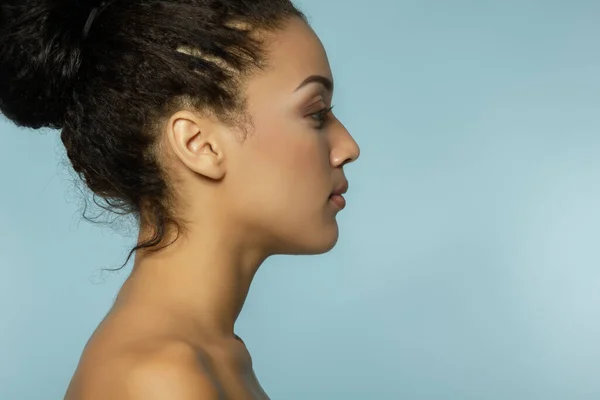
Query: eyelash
x: 322, y: 115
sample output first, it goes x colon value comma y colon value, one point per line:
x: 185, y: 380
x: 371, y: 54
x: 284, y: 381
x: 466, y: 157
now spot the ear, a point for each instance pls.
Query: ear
x: 195, y: 142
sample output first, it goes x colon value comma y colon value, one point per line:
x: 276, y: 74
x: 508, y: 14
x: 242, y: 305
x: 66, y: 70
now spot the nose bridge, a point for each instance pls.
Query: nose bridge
x: 344, y: 148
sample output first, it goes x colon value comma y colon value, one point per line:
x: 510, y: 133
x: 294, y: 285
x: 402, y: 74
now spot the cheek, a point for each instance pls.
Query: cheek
x: 297, y: 160
x: 284, y: 165
x: 280, y: 186
x: 294, y: 193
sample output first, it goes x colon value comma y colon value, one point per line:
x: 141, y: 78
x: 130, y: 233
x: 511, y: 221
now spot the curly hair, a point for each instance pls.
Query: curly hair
x: 109, y: 91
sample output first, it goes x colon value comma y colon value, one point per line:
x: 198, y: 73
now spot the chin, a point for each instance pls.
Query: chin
x: 308, y: 239
x: 320, y: 242
x: 327, y: 247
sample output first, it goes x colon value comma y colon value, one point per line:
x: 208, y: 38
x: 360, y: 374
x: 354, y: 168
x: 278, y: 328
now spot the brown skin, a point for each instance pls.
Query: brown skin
x: 245, y: 200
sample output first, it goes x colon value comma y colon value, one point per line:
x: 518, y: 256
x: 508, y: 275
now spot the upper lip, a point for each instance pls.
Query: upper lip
x: 341, y: 189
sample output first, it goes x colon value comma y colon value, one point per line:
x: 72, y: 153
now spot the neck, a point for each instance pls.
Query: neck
x: 202, y: 279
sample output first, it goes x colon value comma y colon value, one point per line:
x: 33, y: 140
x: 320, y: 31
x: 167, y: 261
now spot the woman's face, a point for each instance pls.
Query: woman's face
x: 281, y: 176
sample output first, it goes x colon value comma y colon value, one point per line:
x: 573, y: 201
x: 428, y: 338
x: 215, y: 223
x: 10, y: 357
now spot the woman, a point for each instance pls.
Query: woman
x: 208, y: 120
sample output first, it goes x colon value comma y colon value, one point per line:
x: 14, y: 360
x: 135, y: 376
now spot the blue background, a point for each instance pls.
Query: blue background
x: 468, y: 261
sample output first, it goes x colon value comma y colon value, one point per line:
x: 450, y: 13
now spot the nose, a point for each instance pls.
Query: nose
x: 344, y: 150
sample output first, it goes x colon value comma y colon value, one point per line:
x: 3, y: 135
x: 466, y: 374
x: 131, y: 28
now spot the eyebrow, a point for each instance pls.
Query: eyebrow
x: 326, y: 82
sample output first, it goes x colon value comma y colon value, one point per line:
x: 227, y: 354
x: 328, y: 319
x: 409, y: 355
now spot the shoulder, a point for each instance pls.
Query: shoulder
x: 168, y: 370
x: 173, y: 371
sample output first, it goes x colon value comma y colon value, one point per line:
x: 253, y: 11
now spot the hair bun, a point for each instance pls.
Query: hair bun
x: 39, y: 59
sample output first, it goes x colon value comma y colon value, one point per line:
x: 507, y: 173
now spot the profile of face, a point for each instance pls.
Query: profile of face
x: 278, y: 181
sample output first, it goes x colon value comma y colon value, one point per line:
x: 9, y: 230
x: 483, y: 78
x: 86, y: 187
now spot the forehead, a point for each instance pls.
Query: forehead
x: 295, y: 53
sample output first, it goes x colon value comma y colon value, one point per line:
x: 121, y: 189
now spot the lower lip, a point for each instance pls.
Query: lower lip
x: 338, y: 200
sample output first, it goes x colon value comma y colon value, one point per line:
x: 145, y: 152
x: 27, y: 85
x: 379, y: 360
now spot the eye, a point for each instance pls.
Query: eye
x: 321, y: 116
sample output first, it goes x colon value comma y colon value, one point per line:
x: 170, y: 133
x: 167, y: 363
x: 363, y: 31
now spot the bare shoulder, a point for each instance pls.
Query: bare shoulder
x: 157, y: 371
x: 172, y: 372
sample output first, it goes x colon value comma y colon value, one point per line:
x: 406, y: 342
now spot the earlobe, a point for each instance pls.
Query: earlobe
x: 195, y: 142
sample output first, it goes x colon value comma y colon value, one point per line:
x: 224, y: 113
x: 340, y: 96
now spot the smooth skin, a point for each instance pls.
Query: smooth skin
x: 170, y: 333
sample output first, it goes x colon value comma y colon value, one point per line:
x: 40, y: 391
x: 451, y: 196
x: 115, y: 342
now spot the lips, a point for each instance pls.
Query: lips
x: 337, y: 197
x: 338, y: 200
x: 341, y: 188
